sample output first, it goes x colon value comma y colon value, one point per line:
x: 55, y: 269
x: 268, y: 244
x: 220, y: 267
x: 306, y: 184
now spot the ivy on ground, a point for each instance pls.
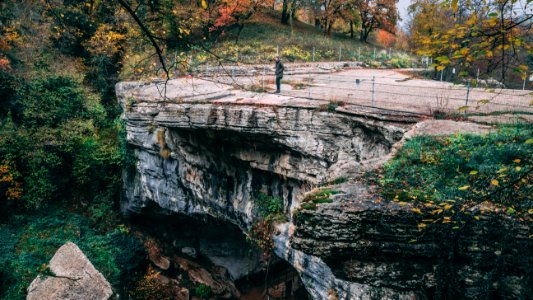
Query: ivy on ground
x: 445, y: 178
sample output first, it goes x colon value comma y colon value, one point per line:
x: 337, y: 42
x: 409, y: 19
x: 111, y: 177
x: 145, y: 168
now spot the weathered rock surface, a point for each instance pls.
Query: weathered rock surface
x: 225, y: 146
x: 72, y: 277
x: 375, y: 248
x: 206, y: 149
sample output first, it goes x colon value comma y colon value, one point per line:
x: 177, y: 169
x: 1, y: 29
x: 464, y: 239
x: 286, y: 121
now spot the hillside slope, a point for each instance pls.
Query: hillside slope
x: 263, y: 34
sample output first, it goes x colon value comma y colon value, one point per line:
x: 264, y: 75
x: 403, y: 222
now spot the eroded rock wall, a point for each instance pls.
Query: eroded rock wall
x: 207, y: 149
x: 213, y: 156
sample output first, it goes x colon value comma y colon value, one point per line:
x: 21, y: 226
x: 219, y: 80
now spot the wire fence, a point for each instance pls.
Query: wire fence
x: 378, y: 88
x: 367, y: 54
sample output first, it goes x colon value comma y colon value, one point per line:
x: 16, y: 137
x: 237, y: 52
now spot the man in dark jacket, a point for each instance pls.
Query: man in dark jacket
x: 279, y: 73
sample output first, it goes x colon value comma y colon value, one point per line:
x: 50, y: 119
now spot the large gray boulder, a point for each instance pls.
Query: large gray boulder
x: 72, y: 277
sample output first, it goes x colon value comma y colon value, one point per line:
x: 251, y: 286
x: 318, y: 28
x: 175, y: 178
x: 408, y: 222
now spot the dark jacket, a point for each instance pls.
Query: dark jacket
x: 279, y: 69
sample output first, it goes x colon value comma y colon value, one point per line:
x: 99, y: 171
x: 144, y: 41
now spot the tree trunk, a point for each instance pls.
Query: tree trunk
x: 363, y: 37
x: 240, y: 28
x: 317, y: 22
x: 284, y: 12
x: 291, y: 17
x: 351, y: 29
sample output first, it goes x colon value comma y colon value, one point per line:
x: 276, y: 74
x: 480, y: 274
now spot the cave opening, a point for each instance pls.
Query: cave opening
x: 220, y: 249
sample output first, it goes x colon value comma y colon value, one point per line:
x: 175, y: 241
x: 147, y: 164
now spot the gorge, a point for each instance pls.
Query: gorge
x: 207, y: 151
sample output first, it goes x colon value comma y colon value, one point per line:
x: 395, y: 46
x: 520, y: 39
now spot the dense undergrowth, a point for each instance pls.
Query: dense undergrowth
x: 61, y: 157
x: 29, y: 241
x: 465, y: 170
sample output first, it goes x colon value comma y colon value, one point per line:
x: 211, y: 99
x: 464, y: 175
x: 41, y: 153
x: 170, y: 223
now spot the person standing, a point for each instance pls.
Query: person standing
x: 279, y: 73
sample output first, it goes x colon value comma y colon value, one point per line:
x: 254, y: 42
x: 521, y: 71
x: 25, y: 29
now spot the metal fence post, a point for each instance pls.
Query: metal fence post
x: 374, y: 53
x: 309, y: 85
x: 467, y: 96
x: 441, y: 72
x: 313, y: 53
x: 373, y: 89
x: 340, y: 53
x: 263, y: 79
x: 359, y: 54
x: 524, y: 84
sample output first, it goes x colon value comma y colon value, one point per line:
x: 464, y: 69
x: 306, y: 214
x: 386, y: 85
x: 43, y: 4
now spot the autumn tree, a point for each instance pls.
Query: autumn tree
x: 235, y: 13
x: 376, y: 14
x: 495, y: 36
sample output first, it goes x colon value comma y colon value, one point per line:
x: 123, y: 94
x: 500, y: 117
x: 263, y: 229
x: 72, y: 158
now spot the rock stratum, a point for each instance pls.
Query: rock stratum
x: 207, y: 149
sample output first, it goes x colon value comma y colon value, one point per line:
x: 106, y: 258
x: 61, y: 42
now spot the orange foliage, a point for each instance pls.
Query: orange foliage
x: 9, y: 186
x: 386, y: 39
x: 234, y: 11
x: 4, y: 64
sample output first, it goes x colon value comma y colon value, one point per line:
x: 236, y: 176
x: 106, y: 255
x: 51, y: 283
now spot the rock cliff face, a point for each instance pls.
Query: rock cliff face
x: 206, y: 149
x: 211, y: 153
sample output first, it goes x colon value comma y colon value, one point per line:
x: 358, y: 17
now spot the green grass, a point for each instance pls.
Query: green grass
x: 323, y: 195
x: 262, y: 35
x: 465, y: 169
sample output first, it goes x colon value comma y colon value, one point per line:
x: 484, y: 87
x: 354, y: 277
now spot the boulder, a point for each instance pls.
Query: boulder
x: 72, y: 276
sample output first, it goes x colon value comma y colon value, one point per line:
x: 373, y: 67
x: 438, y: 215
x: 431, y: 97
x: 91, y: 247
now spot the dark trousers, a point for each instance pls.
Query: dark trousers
x: 278, y: 83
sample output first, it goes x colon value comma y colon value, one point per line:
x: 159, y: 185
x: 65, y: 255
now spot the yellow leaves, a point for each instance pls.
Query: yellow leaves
x: 495, y: 182
x: 517, y: 161
x: 446, y: 220
x: 184, y: 31
x: 204, y: 4
x: 417, y: 210
x: 455, y: 5
x: 436, y: 211
x: 502, y: 170
x: 448, y: 206
x: 440, y: 68
x: 529, y: 141
x: 422, y: 226
x: 105, y: 41
x: 518, y: 168
x: 464, y: 188
x: 464, y: 51
x: 474, y: 172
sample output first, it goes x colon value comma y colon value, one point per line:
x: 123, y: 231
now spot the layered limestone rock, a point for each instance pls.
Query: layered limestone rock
x: 207, y: 149
x: 72, y: 276
x: 363, y: 246
x: 204, y: 148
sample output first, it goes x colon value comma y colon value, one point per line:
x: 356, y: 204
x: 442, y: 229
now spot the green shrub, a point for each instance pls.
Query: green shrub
x: 28, y: 242
x: 269, y: 206
x: 202, y: 291
x: 49, y: 101
x: 495, y: 167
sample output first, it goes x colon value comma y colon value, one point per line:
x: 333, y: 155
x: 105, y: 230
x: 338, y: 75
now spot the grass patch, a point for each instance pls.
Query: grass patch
x: 323, y: 195
x: 331, y: 106
x: 262, y: 35
x: 466, y: 169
